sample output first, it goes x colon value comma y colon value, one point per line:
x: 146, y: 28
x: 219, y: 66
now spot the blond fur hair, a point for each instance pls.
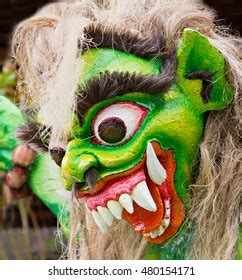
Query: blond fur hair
x: 45, y: 50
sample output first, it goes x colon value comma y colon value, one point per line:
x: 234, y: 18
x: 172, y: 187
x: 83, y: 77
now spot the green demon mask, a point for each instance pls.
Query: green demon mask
x: 135, y: 136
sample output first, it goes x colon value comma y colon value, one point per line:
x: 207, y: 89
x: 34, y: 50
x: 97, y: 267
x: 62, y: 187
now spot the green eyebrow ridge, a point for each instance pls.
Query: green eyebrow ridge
x: 108, y: 85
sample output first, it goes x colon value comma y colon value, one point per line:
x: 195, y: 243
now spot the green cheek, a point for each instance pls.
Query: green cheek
x: 178, y: 127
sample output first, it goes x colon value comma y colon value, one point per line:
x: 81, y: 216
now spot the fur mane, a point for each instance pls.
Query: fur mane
x: 47, y: 47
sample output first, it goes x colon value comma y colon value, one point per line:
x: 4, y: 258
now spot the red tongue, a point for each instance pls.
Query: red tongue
x: 142, y: 220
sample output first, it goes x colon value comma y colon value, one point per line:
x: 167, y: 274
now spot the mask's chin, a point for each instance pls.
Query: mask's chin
x: 144, y: 196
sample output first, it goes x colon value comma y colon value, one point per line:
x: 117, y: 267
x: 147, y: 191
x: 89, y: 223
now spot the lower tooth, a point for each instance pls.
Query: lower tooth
x: 115, y: 208
x: 168, y: 212
x: 166, y: 222
x: 106, y: 215
x: 99, y: 221
x: 161, y: 230
x: 167, y: 204
x: 154, y: 234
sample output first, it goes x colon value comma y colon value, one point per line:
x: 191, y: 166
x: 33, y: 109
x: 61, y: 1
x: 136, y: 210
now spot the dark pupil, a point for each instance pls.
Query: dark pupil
x: 112, y: 130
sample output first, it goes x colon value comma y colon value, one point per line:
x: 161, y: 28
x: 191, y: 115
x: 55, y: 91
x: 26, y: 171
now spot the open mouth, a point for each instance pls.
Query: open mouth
x: 144, y: 196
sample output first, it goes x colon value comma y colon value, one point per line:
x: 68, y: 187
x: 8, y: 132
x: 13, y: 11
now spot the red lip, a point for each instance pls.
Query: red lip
x: 115, y: 189
x: 143, y: 221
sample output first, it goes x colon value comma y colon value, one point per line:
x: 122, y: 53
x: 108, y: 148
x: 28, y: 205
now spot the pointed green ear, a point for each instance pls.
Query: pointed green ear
x: 201, y: 73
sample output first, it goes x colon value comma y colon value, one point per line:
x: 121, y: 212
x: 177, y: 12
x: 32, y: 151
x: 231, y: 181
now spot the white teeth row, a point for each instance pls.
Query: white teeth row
x: 156, y: 171
x: 104, y: 215
x: 141, y: 195
x: 165, y: 223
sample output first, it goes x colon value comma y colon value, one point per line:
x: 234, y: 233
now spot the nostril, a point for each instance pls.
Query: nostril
x: 57, y: 154
x: 91, y: 176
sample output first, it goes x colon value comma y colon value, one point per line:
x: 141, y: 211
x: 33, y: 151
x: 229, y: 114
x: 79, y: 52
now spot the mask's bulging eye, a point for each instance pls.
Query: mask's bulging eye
x: 117, y: 123
x: 112, y: 130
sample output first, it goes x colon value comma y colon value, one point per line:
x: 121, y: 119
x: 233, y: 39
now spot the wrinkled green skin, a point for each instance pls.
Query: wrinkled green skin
x: 176, y: 120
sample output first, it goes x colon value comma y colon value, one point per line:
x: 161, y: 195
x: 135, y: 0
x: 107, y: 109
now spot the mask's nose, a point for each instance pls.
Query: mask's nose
x: 74, y: 167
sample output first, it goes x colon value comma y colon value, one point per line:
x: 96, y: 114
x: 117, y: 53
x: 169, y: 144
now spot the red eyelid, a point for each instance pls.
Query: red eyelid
x: 130, y: 105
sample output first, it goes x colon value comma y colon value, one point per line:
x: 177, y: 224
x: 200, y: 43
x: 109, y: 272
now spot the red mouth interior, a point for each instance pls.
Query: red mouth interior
x: 143, y: 221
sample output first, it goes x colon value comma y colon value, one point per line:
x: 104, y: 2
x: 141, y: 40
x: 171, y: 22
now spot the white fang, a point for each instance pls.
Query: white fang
x: 156, y: 171
x: 127, y: 202
x: 141, y: 195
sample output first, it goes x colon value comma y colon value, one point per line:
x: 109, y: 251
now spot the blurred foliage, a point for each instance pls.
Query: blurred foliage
x: 8, y: 84
x: 27, y: 229
x: 239, y: 256
x: 7, y: 79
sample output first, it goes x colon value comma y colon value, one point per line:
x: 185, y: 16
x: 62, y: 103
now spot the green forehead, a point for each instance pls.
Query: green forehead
x: 95, y: 61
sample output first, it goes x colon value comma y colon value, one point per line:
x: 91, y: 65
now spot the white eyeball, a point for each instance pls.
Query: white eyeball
x: 117, y: 123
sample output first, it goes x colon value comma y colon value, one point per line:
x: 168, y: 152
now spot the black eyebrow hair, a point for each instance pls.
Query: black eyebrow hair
x: 98, y: 35
x: 108, y: 85
x: 207, y: 83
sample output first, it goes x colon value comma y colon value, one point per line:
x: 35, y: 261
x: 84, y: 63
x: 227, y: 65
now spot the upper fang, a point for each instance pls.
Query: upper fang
x: 141, y: 195
x: 127, y: 202
x: 156, y: 171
